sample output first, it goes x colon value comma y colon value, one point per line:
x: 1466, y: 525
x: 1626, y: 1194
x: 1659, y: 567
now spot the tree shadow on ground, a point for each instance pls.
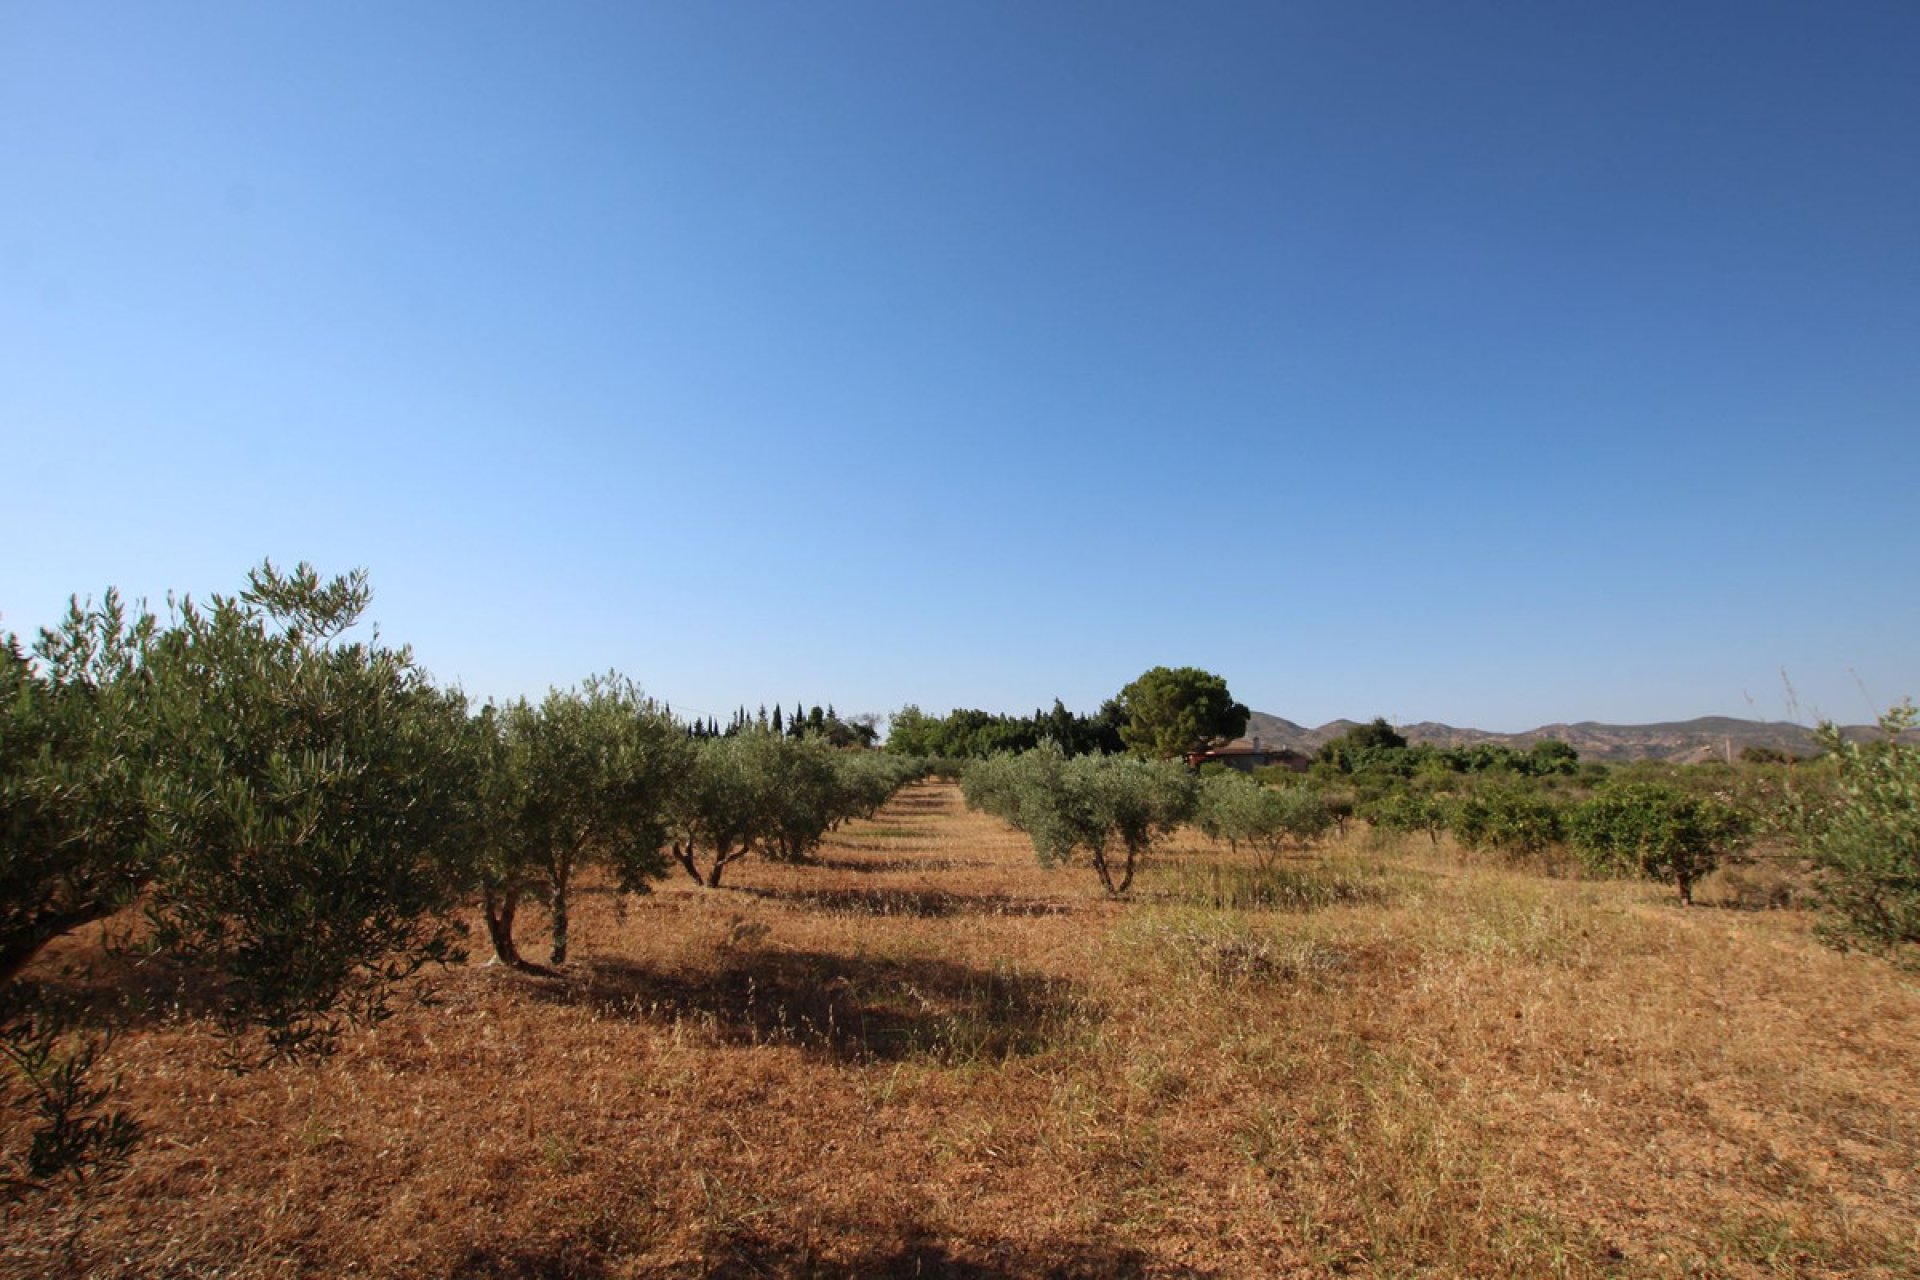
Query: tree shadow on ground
x: 925, y: 904
x: 98, y: 985
x: 753, y: 1254
x: 846, y: 1007
x: 926, y: 1258
x: 865, y: 865
x: 562, y: 1261
x: 919, y: 802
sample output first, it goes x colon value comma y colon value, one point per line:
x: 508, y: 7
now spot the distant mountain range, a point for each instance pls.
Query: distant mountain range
x: 1683, y: 742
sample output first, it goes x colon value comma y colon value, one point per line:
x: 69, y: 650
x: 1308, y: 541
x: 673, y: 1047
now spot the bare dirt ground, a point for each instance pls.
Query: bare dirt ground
x: 925, y: 1056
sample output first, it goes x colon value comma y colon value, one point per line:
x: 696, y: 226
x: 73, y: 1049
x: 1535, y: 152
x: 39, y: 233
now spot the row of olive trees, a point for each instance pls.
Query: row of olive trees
x: 601, y: 775
x: 303, y: 812
x: 1113, y: 809
x: 300, y: 815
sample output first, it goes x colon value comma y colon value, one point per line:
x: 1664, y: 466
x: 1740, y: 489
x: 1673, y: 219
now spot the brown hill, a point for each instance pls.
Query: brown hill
x: 1682, y: 741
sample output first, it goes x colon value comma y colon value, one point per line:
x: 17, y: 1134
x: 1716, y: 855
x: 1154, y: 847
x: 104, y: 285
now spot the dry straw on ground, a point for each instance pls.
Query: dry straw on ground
x: 926, y: 1057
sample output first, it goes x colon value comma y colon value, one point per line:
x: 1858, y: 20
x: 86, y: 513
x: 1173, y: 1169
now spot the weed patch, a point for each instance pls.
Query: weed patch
x: 1242, y: 887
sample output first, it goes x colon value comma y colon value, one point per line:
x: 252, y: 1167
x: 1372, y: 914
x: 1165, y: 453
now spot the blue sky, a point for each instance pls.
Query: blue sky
x: 1490, y: 363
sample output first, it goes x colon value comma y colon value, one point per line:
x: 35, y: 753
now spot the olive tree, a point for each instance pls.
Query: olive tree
x: 291, y: 808
x: 991, y: 785
x: 1110, y: 808
x: 719, y: 812
x: 798, y: 791
x: 1269, y: 820
x: 73, y: 850
x: 589, y: 776
x: 310, y: 801
x: 73, y: 755
x: 1867, y: 843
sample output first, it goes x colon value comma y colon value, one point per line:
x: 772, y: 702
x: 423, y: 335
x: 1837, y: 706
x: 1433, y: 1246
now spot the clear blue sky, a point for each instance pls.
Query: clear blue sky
x: 1490, y: 363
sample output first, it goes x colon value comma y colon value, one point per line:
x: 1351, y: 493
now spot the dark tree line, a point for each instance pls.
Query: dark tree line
x: 823, y: 723
x: 1378, y: 748
x: 968, y: 734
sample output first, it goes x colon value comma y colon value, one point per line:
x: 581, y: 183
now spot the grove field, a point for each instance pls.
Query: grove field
x: 923, y: 1055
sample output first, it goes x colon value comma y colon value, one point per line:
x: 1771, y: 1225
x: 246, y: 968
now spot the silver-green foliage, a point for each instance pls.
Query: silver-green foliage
x: 291, y: 808
x: 310, y: 803
x: 718, y: 812
x: 1867, y: 843
x: 991, y: 785
x: 73, y: 824
x: 587, y: 777
x: 868, y: 779
x: 1268, y: 820
x: 800, y: 792
x: 1112, y: 809
x: 763, y: 792
x: 74, y: 812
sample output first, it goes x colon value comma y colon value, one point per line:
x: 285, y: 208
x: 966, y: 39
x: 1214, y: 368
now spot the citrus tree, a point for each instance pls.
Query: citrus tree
x: 1514, y: 819
x: 1656, y: 831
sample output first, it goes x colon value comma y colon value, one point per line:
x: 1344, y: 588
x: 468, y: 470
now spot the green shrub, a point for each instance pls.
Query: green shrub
x: 1867, y: 844
x: 1111, y: 808
x: 1655, y: 831
x: 312, y: 805
x: 1404, y: 812
x: 1513, y: 821
x: 1236, y: 809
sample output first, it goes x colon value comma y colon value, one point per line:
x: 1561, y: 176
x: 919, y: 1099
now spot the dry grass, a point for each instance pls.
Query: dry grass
x: 927, y: 1057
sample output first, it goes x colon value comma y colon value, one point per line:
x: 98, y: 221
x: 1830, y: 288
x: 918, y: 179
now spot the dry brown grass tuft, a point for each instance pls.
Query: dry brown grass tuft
x: 925, y: 1056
